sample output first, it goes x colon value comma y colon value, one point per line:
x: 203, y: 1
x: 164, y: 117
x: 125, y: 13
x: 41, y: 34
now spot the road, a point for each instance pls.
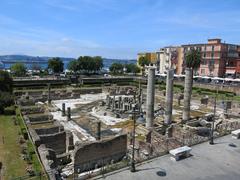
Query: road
x: 208, y: 162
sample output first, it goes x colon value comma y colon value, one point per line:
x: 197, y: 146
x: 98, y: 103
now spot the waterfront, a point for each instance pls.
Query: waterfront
x: 6, y: 64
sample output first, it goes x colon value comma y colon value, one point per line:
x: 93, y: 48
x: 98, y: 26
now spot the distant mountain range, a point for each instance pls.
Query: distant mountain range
x: 44, y: 58
x: 7, y: 60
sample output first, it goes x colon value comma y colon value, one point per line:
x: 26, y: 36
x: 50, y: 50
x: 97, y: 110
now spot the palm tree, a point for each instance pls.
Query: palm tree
x: 193, y: 60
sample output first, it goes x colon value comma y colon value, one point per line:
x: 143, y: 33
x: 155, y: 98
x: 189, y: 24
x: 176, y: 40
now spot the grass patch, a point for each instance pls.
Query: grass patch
x: 32, y: 157
x: 10, y: 150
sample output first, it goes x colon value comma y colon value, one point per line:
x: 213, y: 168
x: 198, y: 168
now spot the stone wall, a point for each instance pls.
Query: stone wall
x: 97, y: 154
x: 56, y: 141
x: 44, y: 131
x: 227, y: 127
x: 48, y: 159
x: 54, y: 94
x: 32, y: 109
x: 38, y: 118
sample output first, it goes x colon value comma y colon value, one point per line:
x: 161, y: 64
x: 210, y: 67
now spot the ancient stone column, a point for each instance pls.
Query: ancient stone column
x: 187, y: 94
x: 169, y: 97
x: 99, y: 130
x: 68, y: 113
x: 150, y: 98
x: 63, y: 109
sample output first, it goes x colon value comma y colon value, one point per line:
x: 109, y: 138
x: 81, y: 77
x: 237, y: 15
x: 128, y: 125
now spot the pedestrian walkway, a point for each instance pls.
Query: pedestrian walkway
x: 208, y: 162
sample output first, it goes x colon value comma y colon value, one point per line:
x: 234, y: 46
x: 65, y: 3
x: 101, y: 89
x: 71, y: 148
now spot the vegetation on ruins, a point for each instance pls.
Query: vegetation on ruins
x: 86, y: 64
x: 193, y: 60
x: 6, y: 98
x: 5, y: 81
x: 56, y: 65
x: 118, y: 68
x: 18, y: 69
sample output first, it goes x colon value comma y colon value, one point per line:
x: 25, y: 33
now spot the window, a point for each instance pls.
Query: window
x: 203, y: 71
x: 211, y: 63
x: 212, y: 48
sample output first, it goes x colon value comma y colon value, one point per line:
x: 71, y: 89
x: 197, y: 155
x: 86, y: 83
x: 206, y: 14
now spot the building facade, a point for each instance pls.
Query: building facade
x: 218, y: 59
x: 168, y: 57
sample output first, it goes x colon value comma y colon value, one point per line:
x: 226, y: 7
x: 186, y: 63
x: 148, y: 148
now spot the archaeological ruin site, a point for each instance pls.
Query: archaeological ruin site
x: 79, y: 132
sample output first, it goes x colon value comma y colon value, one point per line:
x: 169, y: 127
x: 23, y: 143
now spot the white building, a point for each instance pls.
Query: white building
x: 167, y: 58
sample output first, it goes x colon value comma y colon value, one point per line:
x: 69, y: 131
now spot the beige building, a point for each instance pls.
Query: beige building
x: 151, y: 56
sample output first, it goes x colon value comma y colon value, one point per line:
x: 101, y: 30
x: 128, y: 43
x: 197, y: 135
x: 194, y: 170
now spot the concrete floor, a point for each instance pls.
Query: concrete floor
x: 208, y: 162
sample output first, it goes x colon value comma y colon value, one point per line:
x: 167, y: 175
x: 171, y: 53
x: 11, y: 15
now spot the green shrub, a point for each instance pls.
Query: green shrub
x: 6, y: 99
x: 10, y: 110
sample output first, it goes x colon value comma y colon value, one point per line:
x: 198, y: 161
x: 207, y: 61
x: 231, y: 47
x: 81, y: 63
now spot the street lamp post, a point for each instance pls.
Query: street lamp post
x: 211, y: 142
x: 133, y: 169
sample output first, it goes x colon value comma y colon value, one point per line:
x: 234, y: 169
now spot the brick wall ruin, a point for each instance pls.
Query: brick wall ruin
x: 38, y: 118
x: 97, y: 154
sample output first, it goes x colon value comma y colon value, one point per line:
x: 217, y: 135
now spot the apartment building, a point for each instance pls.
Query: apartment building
x: 218, y: 58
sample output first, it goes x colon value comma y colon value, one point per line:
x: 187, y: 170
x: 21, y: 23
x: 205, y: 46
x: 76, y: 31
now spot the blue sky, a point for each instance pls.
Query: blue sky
x: 112, y: 28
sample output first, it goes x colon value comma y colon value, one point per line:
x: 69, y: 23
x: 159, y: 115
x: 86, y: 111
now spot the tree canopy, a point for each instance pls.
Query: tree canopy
x: 55, y: 64
x: 116, y: 68
x: 6, y: 98
x: 143, y: 61
x: 132, y: 68
x: 193, y: 59
x: 5, y: 81
x: 86, y: 64
x: 18, y: 69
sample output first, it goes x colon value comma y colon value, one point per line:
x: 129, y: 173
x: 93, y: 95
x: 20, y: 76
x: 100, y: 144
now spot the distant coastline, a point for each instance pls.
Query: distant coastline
x: 7, y: 60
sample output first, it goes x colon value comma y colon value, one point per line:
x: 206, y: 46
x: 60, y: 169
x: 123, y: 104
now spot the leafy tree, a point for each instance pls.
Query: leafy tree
x: 18, y: 69
x: 193, y: 60
x: 98, y: 63
x: 116, y: 68
x: 55, y: 64
x: 143, y: 61
x: 6, y: 99
x: 86, y: 64
x: 73, y: 66
x: 5, y: 81
x: 132, y: 68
